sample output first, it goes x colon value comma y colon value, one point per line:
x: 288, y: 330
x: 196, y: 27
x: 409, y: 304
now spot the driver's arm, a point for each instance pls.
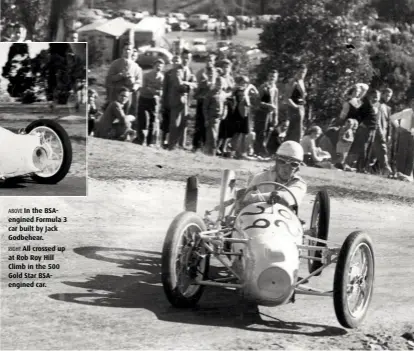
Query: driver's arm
x: 297, y: 186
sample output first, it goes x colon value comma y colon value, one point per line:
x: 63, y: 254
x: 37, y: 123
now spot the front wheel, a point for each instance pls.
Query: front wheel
x: 56, y: 142
x: 184, y: 260
x: 354, y: 280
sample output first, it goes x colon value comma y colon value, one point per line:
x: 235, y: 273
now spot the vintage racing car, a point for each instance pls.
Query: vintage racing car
x: 42, y: 151
x: 261, y: 246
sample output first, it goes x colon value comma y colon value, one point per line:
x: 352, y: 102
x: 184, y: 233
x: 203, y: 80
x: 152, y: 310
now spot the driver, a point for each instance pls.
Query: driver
x: 289, y: 156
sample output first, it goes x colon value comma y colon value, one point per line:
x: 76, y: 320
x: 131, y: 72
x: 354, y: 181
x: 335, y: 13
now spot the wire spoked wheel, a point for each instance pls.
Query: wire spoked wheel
x: 56, y: 142
x: 184, y: 260
x: 354, y: 279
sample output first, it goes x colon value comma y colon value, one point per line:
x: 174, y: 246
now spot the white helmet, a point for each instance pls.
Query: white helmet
x: 291, y: 149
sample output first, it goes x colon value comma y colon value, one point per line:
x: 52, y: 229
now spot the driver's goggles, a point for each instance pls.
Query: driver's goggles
x: 290, y: 162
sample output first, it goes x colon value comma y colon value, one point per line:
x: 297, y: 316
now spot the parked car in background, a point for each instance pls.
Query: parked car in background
x: 148, y: 57
x: 178, y: 16
x: 180, y: 26
x: 199, y: 48
x: 199, y: 22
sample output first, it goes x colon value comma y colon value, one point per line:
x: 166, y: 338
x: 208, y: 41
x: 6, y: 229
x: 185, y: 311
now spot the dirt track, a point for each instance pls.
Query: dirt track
x: 108, y: 295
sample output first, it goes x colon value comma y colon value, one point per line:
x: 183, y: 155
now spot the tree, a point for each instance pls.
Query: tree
x: 326, y: 38
x: 396, y: 11
x: 394, y: 67
x: 33, y: 15
x: 18, y: 70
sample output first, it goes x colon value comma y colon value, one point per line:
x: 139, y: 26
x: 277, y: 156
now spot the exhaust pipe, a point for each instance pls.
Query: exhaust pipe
x: 40, y: 158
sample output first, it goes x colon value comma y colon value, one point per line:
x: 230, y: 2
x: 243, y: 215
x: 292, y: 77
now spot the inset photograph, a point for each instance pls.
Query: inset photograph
x: 43, y: 92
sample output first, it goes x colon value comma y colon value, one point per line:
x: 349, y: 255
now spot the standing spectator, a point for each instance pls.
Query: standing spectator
x: 225, y: 125
x: 403, y: 155
x: 133, y: 105
x: 149, y: 105
x: 105, y: 126
x: 314, y: 156
x: 205, y: 79
x: 365, y: 134
x: 214, y: 109
x: 277, y: 136
x: 266, y: 118
x: 168, y: 78
x: 123, y: 72
x: 181, y: 83
x: 190, y: 81
x: 345, y: 140
x: 229, y: 30
x: 216, y: 32
x: 353, y: 102
x: 297, y: 103
x: 93, y: 112
x: 73, y: 36
x: 241, y: 117
x: 379, y: 150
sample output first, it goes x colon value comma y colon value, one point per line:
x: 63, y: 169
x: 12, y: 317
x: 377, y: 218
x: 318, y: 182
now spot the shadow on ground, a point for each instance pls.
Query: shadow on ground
x: 143, y: 289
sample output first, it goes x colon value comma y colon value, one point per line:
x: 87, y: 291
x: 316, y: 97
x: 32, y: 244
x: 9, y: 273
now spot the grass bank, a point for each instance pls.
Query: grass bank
x: 111, y: 160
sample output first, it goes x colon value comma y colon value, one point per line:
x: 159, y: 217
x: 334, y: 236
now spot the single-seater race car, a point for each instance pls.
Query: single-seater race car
x: 261, y: 246
x: 42, y: 151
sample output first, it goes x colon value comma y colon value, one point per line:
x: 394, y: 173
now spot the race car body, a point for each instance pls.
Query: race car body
x: 20, y: 154
x: 271, y: 260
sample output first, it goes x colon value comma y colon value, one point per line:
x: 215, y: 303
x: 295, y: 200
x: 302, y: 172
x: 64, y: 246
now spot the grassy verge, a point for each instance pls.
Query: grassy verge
x: 111, y: 160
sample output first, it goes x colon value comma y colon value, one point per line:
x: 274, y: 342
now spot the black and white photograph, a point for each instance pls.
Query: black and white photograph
x: 250, y: 179
x: 43, y: 119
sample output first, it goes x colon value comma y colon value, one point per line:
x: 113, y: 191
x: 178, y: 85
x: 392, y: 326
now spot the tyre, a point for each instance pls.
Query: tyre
x: 191, y: 194
x: 351, y: 280
x: 59, y: 151
x: 184, y: 260
x: 319, y: 227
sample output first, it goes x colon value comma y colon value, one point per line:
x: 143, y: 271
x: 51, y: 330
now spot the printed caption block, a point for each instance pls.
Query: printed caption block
x: 31, y: 262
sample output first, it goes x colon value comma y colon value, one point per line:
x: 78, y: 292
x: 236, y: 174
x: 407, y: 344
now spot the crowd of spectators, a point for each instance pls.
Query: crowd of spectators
x: 235, y: 119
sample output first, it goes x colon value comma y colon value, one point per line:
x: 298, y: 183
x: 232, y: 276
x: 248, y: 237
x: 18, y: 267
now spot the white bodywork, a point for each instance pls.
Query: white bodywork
x: 270, y: 263
x: 19, y: 153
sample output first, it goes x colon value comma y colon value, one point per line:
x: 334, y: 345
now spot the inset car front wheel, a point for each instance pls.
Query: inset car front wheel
x: 354, y: 279
x: 319, y: 228
x: 184, y: 260
x: 55, y: 140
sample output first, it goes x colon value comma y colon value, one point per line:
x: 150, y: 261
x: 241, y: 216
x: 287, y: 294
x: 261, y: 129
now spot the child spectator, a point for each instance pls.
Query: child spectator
x: 345, y: 140
x: 93, y: 112
x: 214, y: 110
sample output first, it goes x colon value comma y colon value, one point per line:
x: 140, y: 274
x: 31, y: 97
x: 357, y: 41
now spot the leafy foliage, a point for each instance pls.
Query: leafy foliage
x: 52, y: 72
x: 396, y: 11
x: 329, y: 43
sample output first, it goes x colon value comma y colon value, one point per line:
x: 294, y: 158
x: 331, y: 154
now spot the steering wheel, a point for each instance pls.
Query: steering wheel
x: 277, y: 186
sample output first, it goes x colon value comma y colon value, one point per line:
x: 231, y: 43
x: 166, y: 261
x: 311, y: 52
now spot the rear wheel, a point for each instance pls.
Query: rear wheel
x: 354, y: 280
x: 319, y: 228
x: 184, y: 259
x: 56, y: 142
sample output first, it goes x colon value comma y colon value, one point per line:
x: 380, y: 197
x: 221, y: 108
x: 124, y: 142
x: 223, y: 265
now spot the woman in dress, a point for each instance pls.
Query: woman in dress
x: 296, y: 105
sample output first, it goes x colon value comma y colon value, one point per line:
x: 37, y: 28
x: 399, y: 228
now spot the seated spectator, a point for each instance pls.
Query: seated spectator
x: 277, y: 136
x: 314, y: 156
x: 114, y: 124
